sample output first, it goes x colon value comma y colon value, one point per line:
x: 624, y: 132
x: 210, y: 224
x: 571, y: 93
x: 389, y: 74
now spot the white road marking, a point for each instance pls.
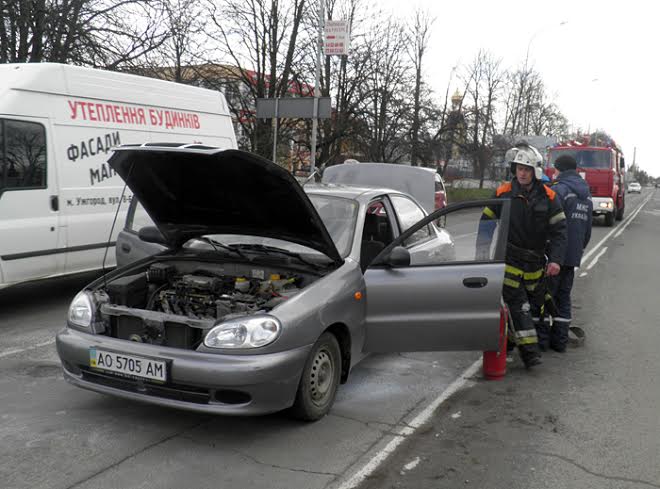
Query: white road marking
x: 14, y: 351
x: 583, y: 274
x: 618, y: 233
x: 408, y: 430
x: 412, y: 464
x: 595, y: 260
x: 616, y: 229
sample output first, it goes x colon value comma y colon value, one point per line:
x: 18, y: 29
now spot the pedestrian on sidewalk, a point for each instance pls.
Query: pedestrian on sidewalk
x: 536, y: 219
x: 573, y: 193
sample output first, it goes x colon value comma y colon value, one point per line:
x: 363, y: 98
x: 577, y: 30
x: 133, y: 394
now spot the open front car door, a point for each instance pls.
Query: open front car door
x: 451, y: 299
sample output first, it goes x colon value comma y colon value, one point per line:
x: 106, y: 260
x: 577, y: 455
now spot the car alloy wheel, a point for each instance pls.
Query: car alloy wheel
x: 319, y: 380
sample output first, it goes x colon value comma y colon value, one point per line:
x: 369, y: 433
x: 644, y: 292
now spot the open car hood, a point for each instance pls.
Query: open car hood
x: 196, y: 190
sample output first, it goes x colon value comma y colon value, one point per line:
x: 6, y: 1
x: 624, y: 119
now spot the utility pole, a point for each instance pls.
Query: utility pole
x: 275, y: 127
x: 317, y: 88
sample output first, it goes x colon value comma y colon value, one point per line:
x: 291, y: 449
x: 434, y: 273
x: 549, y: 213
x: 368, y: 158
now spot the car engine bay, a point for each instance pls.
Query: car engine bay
x: 176, y: 303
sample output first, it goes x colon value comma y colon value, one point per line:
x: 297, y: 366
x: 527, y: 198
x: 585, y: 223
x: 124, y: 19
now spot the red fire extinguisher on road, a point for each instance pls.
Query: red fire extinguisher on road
x: 494, y: 362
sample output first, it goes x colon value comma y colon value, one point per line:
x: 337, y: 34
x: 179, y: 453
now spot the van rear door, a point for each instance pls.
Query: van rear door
x: 31, y: 235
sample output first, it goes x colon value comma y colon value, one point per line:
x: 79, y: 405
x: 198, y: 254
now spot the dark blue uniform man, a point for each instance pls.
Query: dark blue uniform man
x: 573, y: 193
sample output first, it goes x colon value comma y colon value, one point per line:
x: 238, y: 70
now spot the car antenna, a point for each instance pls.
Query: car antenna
x: 112, y: 228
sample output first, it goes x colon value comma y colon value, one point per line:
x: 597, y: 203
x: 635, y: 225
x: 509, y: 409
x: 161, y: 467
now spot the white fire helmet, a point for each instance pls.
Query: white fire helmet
x: 524, y: 154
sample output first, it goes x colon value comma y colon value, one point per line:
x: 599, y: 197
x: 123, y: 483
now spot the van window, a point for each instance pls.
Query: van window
x: 22, y: 155
x: 137, y: 217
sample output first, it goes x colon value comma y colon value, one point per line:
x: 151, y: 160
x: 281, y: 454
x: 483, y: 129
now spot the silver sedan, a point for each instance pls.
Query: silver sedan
x: 266, y: 295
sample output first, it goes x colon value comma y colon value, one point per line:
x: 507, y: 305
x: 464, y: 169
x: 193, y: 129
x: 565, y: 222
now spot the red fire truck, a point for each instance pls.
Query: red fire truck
x: 602, y: 165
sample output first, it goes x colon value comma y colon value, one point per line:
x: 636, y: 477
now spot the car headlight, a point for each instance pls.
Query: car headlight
x: 81, y: 311
x: 247, y: 332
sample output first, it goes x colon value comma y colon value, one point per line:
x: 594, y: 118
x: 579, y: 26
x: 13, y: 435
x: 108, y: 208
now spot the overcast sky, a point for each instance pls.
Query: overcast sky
x: 599, y: 59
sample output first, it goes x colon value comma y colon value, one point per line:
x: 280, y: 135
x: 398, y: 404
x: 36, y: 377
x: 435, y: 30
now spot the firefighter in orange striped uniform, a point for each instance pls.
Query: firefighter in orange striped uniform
x: 537, y: 227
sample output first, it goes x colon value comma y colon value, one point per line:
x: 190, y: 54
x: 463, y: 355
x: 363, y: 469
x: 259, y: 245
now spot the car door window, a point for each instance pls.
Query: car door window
x: 376, y: 232
x: 408, y: 214
x: 472, y: 233
x: 22, y: 155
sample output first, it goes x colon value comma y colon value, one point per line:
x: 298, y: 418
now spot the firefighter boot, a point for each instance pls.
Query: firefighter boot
x: 530, y: 355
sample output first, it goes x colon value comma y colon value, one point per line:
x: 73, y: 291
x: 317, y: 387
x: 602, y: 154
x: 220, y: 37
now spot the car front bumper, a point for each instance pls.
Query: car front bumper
x: 200, y: 382
x: 603, y: 205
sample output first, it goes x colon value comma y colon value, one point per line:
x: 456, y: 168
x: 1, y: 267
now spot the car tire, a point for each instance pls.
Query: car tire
x: 619, y: 214
x: 319, y: 381
x: 609, y: 218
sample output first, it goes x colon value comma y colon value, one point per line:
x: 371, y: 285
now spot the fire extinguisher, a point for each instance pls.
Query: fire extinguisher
x: 494, y: 362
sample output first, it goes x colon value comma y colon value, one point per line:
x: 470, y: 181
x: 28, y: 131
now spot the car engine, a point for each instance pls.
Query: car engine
x: 199, y: 296
x: 175, y: 307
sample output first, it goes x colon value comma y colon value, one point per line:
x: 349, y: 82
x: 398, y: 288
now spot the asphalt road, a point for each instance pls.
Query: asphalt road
x: 53, y: 435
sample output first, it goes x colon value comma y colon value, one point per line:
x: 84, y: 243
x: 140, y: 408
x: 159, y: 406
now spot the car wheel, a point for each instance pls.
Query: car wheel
x: 609, y: 218
x: 319, y: 381
x: 619, y: 214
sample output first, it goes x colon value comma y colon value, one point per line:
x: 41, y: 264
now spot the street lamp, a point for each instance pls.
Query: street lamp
x: 592, y: 93
x: 538, y: 31
x: 317, y: 87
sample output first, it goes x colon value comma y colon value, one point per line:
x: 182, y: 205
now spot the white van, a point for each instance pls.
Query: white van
x: 58, y: 197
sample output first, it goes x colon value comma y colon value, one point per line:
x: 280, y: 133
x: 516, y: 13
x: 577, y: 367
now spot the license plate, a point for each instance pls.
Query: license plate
x: 128, y: 365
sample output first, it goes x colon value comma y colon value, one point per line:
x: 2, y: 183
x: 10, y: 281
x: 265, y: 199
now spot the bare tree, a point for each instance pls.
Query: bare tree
x: 101, y: 33
x: 343, y: 78
x: 384, y: 105
x: 367, y: 87
x: 486, y: 80
x: 419, y: 31
x: 259, y: 39
x: 180, y: 53
x: 528, y: 108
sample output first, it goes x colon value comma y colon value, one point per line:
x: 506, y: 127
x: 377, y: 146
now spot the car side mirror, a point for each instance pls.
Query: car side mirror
x: 151, y: 234
x: 398, y: 257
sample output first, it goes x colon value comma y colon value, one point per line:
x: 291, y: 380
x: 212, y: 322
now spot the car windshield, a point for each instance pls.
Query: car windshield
x: 597, y: 159
x: 338, y: 214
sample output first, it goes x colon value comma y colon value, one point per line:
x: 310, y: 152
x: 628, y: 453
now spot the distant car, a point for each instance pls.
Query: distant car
x: 265, y: 294
x: 440, y: 192
x: 657, y: 185
x: 634, y: 187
